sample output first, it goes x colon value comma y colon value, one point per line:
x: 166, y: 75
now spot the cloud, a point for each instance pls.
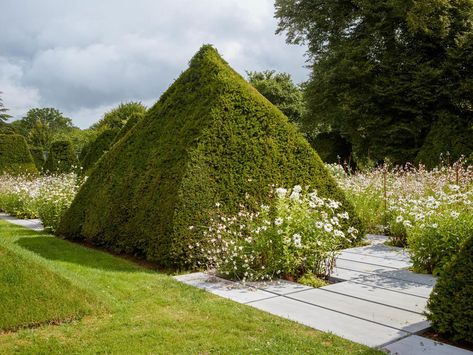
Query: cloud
x: 84, y: 57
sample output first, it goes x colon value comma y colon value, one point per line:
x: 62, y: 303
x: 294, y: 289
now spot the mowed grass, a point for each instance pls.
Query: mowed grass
x: 31, y: 294
x: 148, y: 312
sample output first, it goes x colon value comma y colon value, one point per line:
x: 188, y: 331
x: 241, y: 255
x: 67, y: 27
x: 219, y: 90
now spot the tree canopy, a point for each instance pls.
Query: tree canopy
x: 383, y: 72
x: 3, y: 111
x: 40, y: 125
x: 117, y: 117
x: 281, y: 91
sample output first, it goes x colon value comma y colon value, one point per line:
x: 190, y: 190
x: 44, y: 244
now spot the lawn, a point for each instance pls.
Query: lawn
x: 31, y: 294
x: 138, y: 310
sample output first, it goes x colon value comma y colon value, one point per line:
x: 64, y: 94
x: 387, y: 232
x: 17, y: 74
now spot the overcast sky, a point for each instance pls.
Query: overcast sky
x: 84, y: 57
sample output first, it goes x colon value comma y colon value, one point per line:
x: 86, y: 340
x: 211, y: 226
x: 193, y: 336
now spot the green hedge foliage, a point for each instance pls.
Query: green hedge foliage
x: 61, y: 158
x: 448, y: 135
x: 132, y: 121
x: 94, y: 150
x: 15, y: 157
x: 210, y: 138
x: 38, y: 156
x: 451, y: 303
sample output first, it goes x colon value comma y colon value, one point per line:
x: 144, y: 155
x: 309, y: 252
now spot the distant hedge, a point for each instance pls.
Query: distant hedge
x: 332, y: 147
x: 210, y: 138
x: 132, y: 121
x: 95, y: 149
x: 451, y: 302
x: 450, y: 136
x: 61, y: 158
x: 38, y: 156
x: 15, y: 156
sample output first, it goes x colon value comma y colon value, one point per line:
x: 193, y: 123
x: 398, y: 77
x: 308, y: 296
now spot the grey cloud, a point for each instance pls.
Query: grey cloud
x: 84, y: 57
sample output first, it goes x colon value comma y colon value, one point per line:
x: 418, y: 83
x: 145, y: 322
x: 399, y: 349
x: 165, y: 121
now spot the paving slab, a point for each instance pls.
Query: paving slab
x: 361, y: 266
x: 417, y: 345
x: 374, y: 312
x: 33, y: 224
x: 380, y: 295
x: 339, y: 274
x: 348, y: 327
x: 393, y: 263
x: 381, y: 251
x: 359, y: 269
x: 227, y: 289
x: 376, y: 238
x: 279, y: 287
x: 411, y: 288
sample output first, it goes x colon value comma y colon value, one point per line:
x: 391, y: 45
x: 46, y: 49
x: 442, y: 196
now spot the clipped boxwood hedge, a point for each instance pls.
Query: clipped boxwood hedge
x: 451, y: 302
x: 452, y: 136
x: 210, y: 138
x: 94, y: 151
x: 38, y: 156
x: 15, y: 157
x: 61, y: 158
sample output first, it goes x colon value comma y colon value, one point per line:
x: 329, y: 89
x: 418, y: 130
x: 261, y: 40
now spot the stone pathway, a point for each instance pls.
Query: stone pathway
x: 376, y: 300
x: 33, y: 224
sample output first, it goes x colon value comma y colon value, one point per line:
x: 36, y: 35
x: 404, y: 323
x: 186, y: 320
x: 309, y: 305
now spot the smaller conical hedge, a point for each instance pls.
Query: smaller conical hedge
x: 61, y: 158
x: 15, y: 157
x: 94, y: 151
x: 38, y: 156
x: 451, y: 303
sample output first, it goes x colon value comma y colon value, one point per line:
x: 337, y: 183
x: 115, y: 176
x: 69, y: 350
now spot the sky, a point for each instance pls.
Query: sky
x: 85, y: 57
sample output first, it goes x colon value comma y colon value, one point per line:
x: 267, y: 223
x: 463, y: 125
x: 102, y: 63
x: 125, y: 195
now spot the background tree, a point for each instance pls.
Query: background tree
x: 3, y: 111
x: 383, y: 72
x: 117, y: 117
x: 40, y: 125
x: 281, y: 91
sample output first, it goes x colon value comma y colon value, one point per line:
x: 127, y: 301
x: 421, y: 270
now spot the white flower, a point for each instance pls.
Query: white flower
x: 297, y: 189
x: 434, y: 225
x: 278, y: 221
x: 334, y: 204
x: 217, y: 204
x: 294, y: 196
x: 352, y: 230
x: 297, y: 238
x: 454, y: 187
x: 454, y: 214
x: 407, y: 223
x: 312, y: 204
x: 281, y: 192
x: 338, y: 233
x: 191, y: 228
x: 319, y: 225
x: 328, y: 227
x: 399, y: 219
x: 265, y: 208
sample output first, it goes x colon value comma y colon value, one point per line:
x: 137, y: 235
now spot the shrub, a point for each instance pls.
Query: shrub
x: 54, y: 197
x: 296, y: 235
x: 15, y: 157
x: 438, y: 238
x: 38, y: 156
x: 61, y: 158
x: 211, y: 137
x: 448, y: 135
x: 450, y: 307
x: 94, y: 150
x: 46, y: 197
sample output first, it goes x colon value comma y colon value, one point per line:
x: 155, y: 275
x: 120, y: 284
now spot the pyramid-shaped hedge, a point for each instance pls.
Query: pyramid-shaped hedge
x: 15, y: 157
x: 61, y: 158
x: 210, y: 138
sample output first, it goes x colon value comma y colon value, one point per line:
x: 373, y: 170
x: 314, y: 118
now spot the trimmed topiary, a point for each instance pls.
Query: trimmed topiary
x: 452, y: 136
x: 210, y: 138
x: 61, y: 158
x: 451, y: 302
x: 15, y: 157
x: 94, y: 151
x: 38, y: 156
x: 132, y: 121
